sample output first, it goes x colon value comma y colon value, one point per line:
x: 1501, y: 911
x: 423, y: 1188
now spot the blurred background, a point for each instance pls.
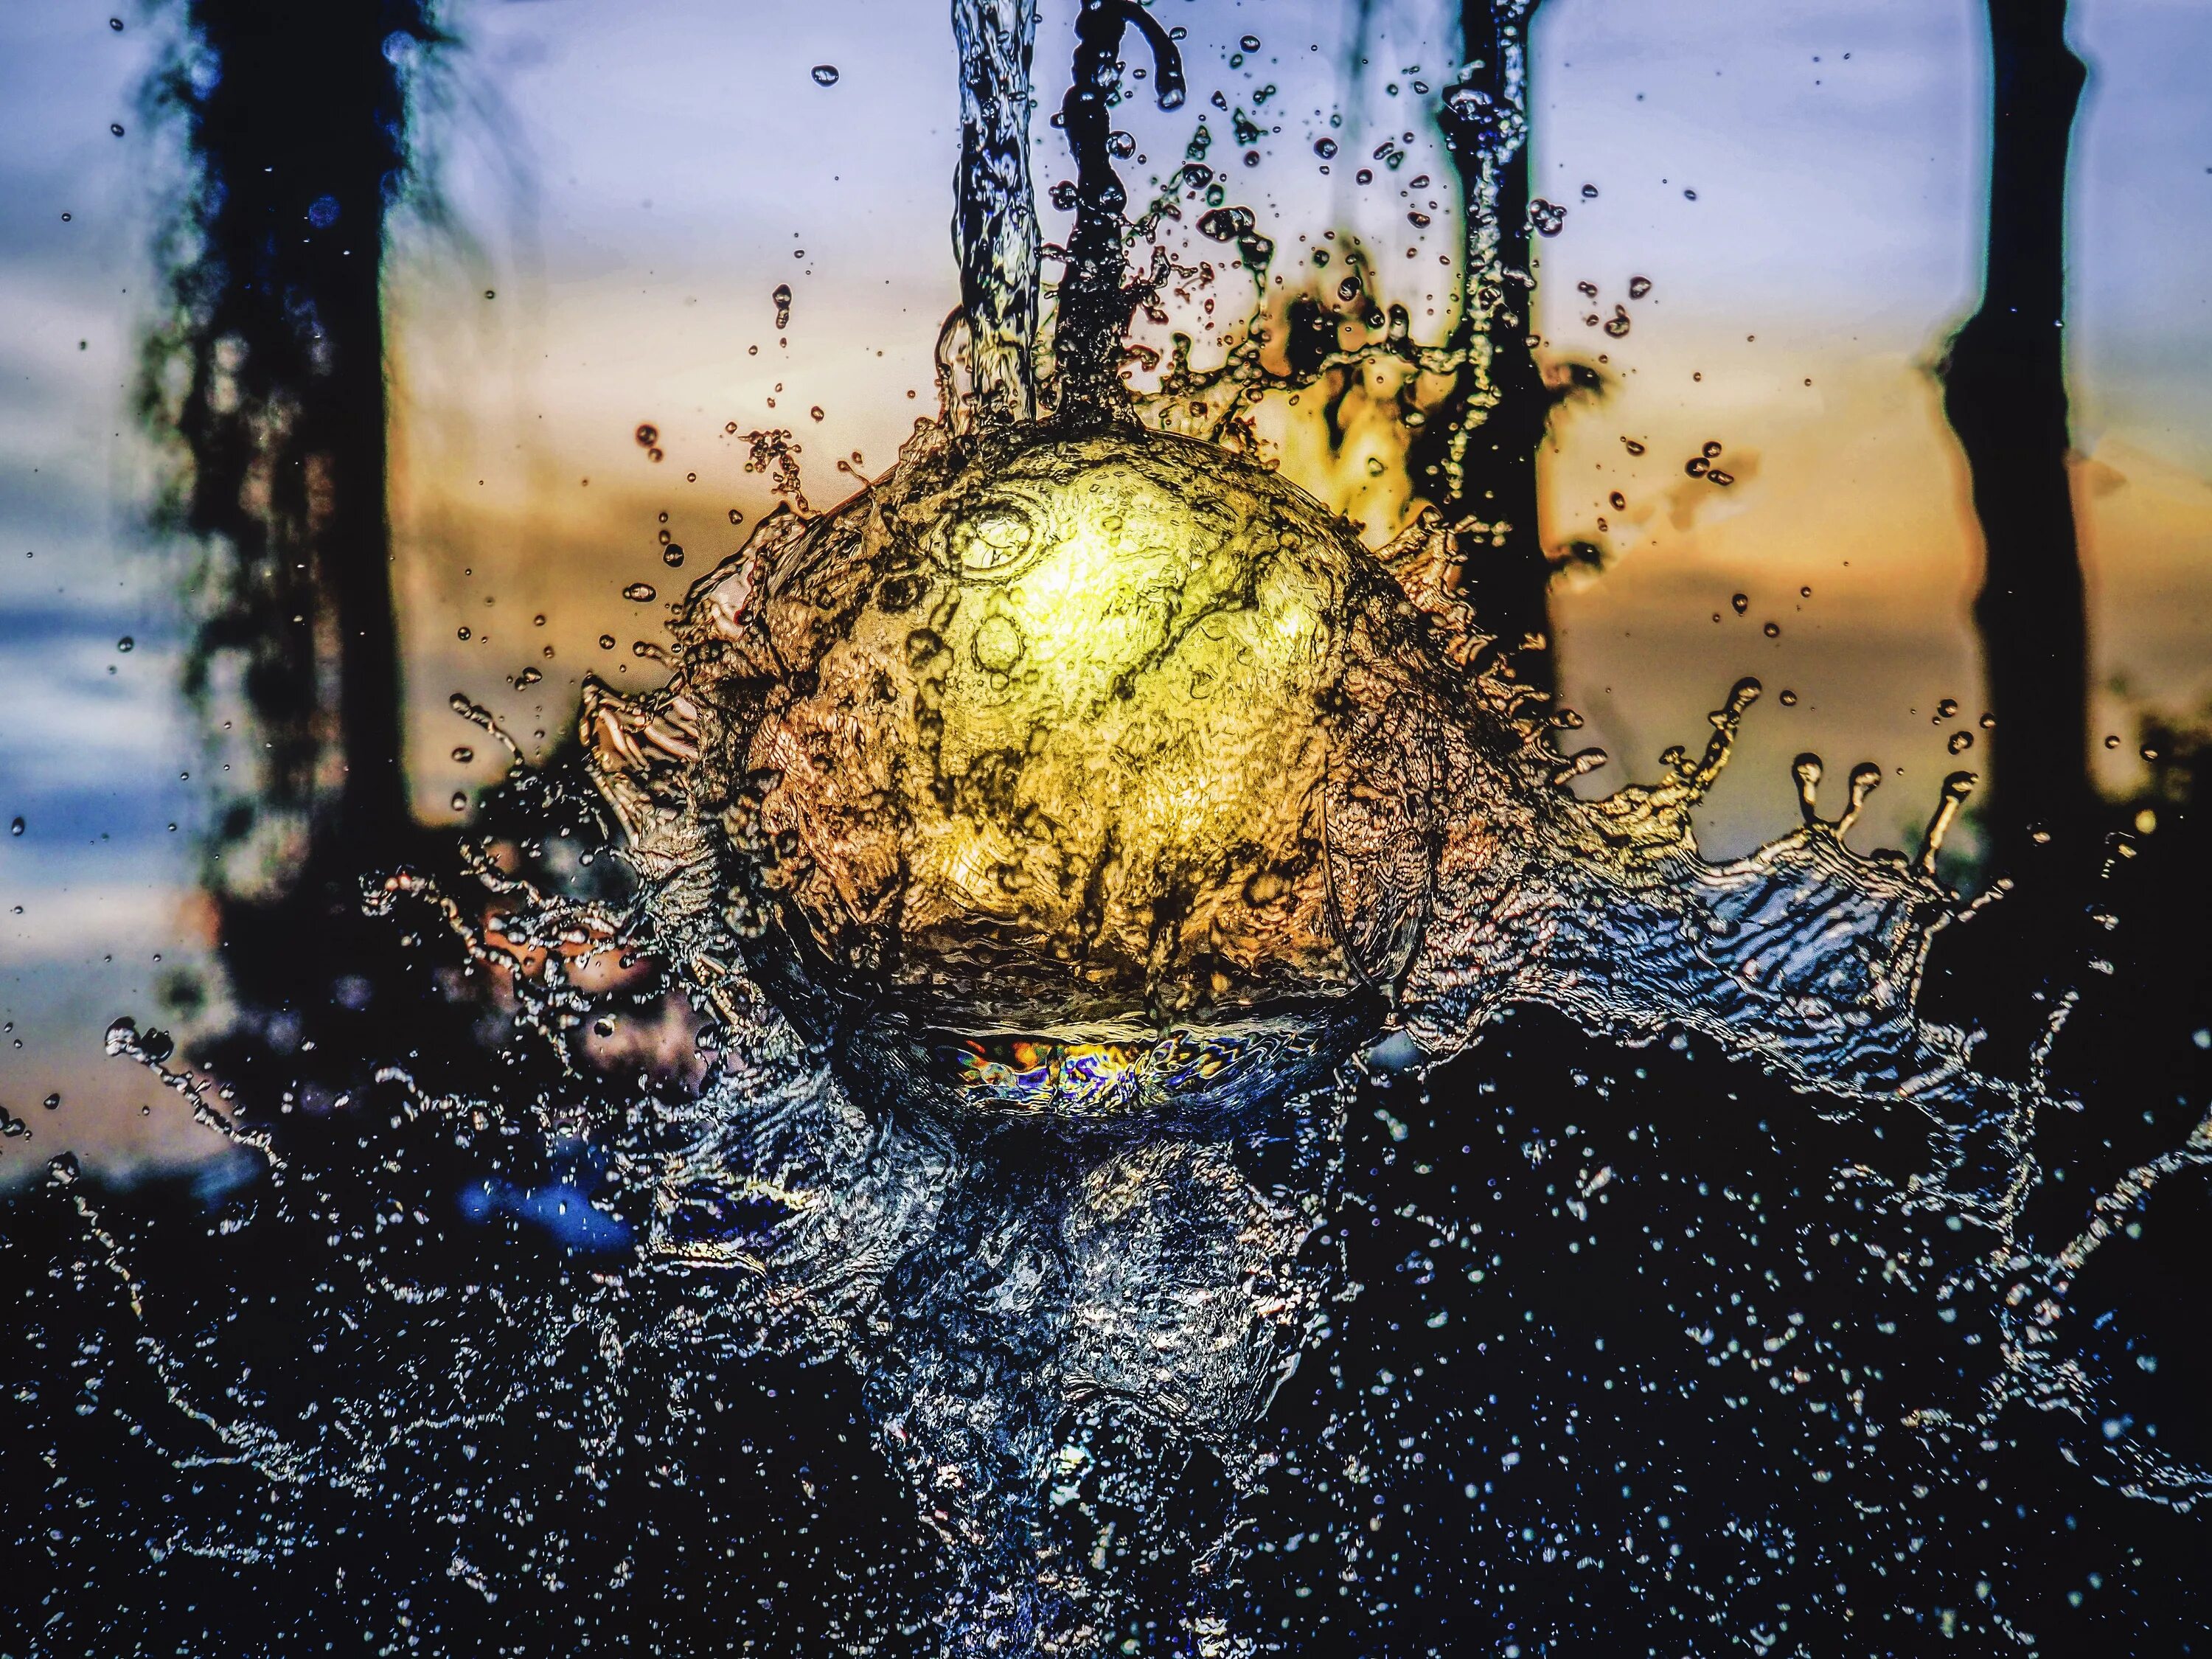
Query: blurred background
x: 582, y: 229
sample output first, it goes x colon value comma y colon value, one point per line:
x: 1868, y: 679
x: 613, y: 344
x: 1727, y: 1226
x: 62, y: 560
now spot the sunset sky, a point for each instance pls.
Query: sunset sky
x: 624, y: 186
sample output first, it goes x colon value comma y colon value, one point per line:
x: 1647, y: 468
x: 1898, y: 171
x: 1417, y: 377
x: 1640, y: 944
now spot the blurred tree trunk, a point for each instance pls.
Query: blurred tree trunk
x: 1481, y: 463
x: 269, y: 374
x: 2004, y: 393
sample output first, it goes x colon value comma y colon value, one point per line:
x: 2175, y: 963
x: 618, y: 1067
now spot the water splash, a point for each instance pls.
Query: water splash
x: 1086, y: 860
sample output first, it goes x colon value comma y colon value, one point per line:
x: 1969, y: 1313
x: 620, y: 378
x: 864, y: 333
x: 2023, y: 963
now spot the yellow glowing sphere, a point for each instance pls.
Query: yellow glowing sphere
x: 1100, y: 736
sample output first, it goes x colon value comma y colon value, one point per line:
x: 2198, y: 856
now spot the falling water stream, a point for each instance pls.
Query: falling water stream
x: 1166, y: 1125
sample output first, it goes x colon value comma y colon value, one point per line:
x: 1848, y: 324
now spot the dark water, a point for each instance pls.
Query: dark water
x: 726, y: 1211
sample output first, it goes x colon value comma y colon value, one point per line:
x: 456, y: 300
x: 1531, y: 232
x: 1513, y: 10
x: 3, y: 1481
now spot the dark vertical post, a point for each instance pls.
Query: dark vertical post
x: 271, y: 367
x: 1481, y: 463
x: 2004, y: 393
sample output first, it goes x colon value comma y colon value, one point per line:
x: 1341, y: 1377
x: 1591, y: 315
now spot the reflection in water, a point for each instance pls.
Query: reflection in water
x: 1106, y: 981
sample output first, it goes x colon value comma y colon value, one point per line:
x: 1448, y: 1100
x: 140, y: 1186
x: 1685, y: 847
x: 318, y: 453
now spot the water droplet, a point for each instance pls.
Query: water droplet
x: 52, y: 1102
x: 648, y: 435
x: 465, y: 754
x: 539, y: 620
x: 527, y: 676
x: 1689, y: 196
x: 1618, y: 499
x: 1789, y: 699
x: 126, y: 643
x: 1548, y: 217
x: 781, y: 298
x: 736, y: 515
x: 1960, y: 742
x: 652, y: 454
x: 606, y: 642
x: 1948, y: 709
x: 2112, y: 742
x: 1697, y: 466
x: 1617, y: 325
x: 825, y: 75
x: 461, y: 633
x: 1324, y: 148
x: 1638, y: 287
x: 672, y: 555
x: 1804, y: 592
x: 491, y: 294
x: 460, y: 801
x: 1632, y: 446
x: 1772, y: 630
x: 1590, y: 192
x: 115, y: 23
x: 1250, y: 42
x: 1723, y: 479
x: 1711, y: 449
x: 116, y: 127
x: 640, y: 592
x: 1741, y: 602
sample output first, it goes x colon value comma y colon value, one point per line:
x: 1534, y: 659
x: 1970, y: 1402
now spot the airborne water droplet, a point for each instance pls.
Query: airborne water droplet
x: 672, y: 555
x: 465, y: 754
x: 15, y: 827
x: 126, y: 643
x: 1772, y: 630
x: 1741, y: 602
x: 1960, y: 742
x: 640, y: 592
x: 460, y: 801
x: 825, y: 75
